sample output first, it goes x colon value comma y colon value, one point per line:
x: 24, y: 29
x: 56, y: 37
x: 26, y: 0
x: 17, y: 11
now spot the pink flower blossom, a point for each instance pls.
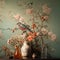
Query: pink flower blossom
x: 50, y: 33
x: 44, y: 31
x: 53, y: 37
x: 21, y: 18
x: 17, y: 16
x: 44, y: 18
x: 29, y: 11
x: 46, y: 9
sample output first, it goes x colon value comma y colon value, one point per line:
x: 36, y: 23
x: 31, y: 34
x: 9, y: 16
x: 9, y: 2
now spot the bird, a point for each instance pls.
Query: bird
x: 24, y: 27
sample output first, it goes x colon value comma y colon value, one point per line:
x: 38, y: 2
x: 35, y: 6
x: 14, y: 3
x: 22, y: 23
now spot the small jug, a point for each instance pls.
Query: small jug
x: 17, y: 53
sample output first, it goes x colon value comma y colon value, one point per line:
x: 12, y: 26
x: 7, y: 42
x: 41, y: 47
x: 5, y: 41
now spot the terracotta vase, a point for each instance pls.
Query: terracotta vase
x: 17, y: 53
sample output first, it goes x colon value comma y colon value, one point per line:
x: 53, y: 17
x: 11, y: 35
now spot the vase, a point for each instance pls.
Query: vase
x: 17, y: 53
x: 25, y: 50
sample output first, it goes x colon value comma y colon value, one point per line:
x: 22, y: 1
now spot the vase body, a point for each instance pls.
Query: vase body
x: 25, y: 50
x: 17, y: 53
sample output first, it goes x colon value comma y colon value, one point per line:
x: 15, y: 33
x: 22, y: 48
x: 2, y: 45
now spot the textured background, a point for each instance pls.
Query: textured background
x: 10, y: 7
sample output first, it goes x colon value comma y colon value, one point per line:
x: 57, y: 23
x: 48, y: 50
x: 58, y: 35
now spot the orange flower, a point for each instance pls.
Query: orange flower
x: 29, y: 38
x: 34, y: 34
x: 30, y: 33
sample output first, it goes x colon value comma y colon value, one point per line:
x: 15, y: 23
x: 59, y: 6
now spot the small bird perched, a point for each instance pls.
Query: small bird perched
x: 23, y: 27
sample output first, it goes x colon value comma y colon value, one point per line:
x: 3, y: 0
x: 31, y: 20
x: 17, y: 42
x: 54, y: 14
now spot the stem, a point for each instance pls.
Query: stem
x: 42, y: 44
x: 42, y: 48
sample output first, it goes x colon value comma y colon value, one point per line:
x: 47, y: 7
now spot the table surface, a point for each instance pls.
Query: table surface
x: 18, y: 59
x: 7, y: 58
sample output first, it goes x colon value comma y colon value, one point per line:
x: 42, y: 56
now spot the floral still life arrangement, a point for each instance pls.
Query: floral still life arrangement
x: 32, y: 41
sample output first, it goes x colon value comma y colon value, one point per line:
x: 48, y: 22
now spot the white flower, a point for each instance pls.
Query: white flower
x: 50, y: 33
x: 44, y: 31
x: 46, y: 9
x: 53, y: 37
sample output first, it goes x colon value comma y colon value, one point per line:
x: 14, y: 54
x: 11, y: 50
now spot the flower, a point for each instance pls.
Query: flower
x: 15, y: 40
x: 44, y: 31
x: 29, y: 38
x: 29, y: 11
x: 37, y: 33
x: 17, y: 16
x: 53, y: 37
x: 50, y: 33
x: 33, y: 26
x: 44, y: 18
x: 34, y: 34
x: 21, y: 18
x: 9, y: 41
x: 46, y: 9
